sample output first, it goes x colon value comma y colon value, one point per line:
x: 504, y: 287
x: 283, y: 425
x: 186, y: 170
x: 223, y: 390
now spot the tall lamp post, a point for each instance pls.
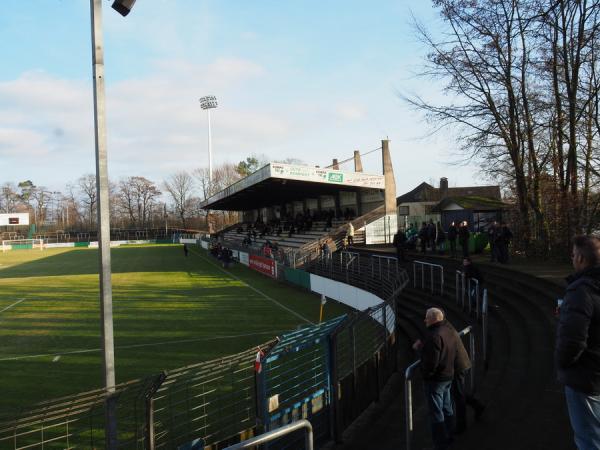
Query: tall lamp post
x: 122, y: 7
x: 209, y: 102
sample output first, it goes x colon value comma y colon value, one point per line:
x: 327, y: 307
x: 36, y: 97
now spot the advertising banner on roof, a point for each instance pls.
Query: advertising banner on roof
x: 322, y: 175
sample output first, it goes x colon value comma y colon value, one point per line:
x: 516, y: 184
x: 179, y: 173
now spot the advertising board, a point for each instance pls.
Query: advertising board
x: 263, y: 265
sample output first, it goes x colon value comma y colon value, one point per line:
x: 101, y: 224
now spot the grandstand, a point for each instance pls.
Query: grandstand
x: 297, y: 208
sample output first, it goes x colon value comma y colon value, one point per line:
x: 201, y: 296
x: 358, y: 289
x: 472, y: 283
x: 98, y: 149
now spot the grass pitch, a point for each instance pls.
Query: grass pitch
x: 169, y: 311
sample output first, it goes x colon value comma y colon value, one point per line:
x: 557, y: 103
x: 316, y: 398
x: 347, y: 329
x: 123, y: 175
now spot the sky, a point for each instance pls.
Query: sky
x: 309, y: 79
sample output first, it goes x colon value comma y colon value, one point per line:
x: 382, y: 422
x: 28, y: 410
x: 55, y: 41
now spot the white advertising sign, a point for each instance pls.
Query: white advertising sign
x: 321, y: 175
x: 14, y: 219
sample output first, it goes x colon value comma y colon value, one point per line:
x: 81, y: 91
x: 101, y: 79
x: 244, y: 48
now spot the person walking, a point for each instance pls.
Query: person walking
x: 463, y: 238
x: 438, y: 353
x: 185, y: 250
x: 399, y: 242
x: 431, y: 235
x: 350, y: 234
x: 504, y: 238
x: 577, y: 352
x: 452, y: 235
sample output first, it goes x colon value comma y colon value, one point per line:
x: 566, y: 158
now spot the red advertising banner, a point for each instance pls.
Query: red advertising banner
x: 267, y: 266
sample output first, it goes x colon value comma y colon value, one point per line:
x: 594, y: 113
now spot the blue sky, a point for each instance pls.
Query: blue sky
x: 307, y: 79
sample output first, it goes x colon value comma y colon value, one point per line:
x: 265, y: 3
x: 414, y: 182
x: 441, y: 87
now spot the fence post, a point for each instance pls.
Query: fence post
x: 414, y: 275
x: 335, y: 430
x: 484, y: 310
x: 442, y: 282
x: 422, y: 276
x: 473, y: 359
x: 456, y: 281
x: 462, y: 282
x: 477, y: 309
x: 150, y: 436
x: 431, y: 276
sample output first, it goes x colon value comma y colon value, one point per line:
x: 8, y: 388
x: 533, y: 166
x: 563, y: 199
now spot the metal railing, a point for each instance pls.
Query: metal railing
x: 408, y: 375
x: 431, y: 266
x: 276, y: 434
x: 469, y: 289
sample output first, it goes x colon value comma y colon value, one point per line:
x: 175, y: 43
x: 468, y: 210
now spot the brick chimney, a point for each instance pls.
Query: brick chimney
x: 335, y: 164
x: 443, y: 188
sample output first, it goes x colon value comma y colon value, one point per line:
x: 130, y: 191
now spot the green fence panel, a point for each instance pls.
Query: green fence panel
x: 82, y: 244
x: 298, y: 277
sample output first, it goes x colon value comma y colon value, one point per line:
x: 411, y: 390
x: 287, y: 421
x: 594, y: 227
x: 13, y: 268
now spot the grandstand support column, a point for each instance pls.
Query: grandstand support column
x: 357, y: 162
x: 391, y: 215
x: 103, y: 222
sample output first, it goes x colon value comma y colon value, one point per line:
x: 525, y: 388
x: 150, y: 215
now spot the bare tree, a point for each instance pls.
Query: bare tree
x: 180, y: 187
x: 86, y: 186
x: 9, y: 197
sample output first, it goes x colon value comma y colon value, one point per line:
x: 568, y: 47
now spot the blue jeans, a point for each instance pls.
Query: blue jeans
x: 439, y: 400
x: 584, y: 412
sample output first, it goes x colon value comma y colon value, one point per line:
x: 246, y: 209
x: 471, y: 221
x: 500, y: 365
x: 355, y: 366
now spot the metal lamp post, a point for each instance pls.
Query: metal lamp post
x: 108, y: 347
x: 209, y: 102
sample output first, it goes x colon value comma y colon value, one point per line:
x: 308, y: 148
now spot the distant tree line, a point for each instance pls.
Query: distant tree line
x: 136, y: 202
x: 522, y: 84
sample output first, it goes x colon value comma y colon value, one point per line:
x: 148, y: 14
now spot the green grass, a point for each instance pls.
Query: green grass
x: 169, y: 311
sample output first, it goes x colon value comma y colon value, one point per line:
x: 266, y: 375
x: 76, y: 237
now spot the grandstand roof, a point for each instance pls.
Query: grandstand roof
x: 280, y: 183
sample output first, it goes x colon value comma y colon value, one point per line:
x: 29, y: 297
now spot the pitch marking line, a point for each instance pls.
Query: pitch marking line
x: 92, y: 350
x: 256, y: 290
x: 14, y: 304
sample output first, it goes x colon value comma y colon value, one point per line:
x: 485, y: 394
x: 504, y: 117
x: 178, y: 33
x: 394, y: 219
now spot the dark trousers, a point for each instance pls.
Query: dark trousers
x: 462, y: 399
x: 465, y: 248
x: 453, y: 248
x: 400, y: 253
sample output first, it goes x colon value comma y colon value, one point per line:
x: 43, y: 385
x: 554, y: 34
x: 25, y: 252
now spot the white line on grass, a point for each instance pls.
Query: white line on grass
x: 14, y: 304
x: 181, y: 341
x: 254, y: 289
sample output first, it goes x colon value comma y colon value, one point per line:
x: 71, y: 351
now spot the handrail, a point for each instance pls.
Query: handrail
x: 408, y: 374
x: 431, y: 266
x: 466, y: 283
x: 276, y: 434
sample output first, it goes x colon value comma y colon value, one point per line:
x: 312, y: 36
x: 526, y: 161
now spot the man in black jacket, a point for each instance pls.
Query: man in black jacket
x: 399, y: 242
x: 578, y: 343
x: 438, y: 353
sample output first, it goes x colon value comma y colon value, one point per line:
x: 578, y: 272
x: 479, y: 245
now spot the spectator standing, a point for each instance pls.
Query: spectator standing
x: 493, y: 232
x: 438, y: 354
x: 350, y: 233
x: 441, y: 238
x: 452, y: 235
x: 503, y: 241
x: 399, y: 242
x: 472, y: 271
x: 431, y: 235
x: 185, y: 250
x: 463, y: 237
x: 462, y: 366
x: 423, y: 237
x: 577, y: 351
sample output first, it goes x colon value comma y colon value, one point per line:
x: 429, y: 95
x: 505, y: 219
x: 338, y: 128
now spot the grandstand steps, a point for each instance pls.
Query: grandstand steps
x: 525, y: 407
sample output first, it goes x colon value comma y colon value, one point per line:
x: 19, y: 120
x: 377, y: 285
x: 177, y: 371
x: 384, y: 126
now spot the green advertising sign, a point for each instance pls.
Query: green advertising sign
x: 335, y: 177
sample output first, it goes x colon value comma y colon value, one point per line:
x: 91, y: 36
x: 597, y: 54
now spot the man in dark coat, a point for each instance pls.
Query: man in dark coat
x: 438, y: 354
x: 452, y: 235
x: 577, y: 351
x: 423, y: 236
x: 462, y: 367
x: 502, y: 242
x: 463, y: 238
x: 493, y: 232
x: 399, y: 242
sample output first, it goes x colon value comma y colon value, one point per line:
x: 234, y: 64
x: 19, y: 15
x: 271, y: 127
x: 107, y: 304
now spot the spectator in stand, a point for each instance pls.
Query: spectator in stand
x: 441, y: 238
x: 291, y: 231
x: 493, y: 232
x: 399, y: 242
x: 431, y: 235
x: 423, y: 237
x: 185, y: 250
x: 463, y: 237
x: 462, y: 366
x: 452, y: 235
x: 267, y: 251
x: 325, y: 250
x: 471, y: 271
x: 438, y: 353
x: 505, y: 236
x: 577, y: 351
x: 350, y: 234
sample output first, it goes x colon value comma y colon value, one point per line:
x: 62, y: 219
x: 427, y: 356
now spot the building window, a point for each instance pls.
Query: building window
x: 403, y: 211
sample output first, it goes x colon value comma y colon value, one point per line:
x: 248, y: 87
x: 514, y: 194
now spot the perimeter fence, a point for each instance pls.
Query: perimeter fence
x: 327, y: 373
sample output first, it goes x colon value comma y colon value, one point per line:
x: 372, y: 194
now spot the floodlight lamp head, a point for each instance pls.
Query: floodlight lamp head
x: 208, y: 102
x: 123, y: 7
